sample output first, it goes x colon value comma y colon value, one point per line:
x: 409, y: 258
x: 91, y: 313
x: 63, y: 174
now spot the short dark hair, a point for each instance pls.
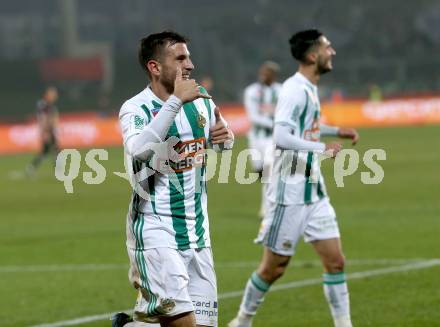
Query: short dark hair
x: 150, y: 47
x: 302, y: 41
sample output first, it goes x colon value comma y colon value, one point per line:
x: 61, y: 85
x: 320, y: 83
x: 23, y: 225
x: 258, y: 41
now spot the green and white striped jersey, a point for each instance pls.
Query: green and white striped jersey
x: 174, y: 213
x: 296, y: 177
x: 260, y: 101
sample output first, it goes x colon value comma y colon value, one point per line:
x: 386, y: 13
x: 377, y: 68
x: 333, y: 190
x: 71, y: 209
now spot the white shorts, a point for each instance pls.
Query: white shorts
x: 171, y: 282
x: 283, y: 225
x: 262, y: 157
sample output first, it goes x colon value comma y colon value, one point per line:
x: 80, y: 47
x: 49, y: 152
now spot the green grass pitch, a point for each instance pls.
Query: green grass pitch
x: 63, y: 255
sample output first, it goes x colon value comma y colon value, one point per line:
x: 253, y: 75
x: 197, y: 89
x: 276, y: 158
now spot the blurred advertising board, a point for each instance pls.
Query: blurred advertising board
x: 86, y: 130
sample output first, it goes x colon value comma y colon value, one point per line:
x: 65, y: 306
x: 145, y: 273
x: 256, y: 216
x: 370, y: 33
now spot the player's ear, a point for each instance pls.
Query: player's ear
x: 312, y: 57
x: 153, y: 67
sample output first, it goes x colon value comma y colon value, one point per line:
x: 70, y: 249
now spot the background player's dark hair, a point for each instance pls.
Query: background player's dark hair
x: 301, y: 42
x: 150, y: 47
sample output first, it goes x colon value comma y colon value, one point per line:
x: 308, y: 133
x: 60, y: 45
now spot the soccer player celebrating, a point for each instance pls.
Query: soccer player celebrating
x: 260, y: 99
x: 298, y: 204
x: 168, y: 239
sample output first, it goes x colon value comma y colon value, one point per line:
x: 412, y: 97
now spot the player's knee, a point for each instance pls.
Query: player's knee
x: 266, y: 273
x: 336, y: 264
x: 271, y: 273
x: 279, y: 270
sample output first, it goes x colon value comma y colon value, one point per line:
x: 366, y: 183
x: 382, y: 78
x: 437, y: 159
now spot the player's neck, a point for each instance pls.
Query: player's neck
x: 310, y: 73
x: 160, y: 91
x: 267, y: 83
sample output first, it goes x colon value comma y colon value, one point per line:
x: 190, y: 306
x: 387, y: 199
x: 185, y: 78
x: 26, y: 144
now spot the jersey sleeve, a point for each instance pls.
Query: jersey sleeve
x: 132, y: 120
x: 251, y: 103
x: 290, y: 106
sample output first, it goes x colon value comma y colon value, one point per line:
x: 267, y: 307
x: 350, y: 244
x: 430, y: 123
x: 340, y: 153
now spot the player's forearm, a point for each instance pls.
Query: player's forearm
x: 261, y: 121
x: 255, y: 117
x: 155, y: 131
x: 284, y: 139
x: 327, y: 130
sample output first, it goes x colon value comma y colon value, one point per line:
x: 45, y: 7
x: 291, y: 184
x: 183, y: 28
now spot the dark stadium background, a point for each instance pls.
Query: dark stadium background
x: 390, y: 43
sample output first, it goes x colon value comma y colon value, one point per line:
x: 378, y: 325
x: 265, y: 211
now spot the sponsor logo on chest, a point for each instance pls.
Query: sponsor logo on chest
x: 192, y: 154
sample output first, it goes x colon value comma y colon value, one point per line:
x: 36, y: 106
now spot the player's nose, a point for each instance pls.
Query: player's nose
x: 189, y: 65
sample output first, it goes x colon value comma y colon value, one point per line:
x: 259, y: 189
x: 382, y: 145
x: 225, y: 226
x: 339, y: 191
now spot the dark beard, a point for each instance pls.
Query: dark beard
x: 167, y: 81
x: 168, y: 85
x: 322, y: 69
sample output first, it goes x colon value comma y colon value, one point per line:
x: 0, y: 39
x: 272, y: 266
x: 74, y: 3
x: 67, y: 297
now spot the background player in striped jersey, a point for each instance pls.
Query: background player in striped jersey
x: 168, y: 231
x: 298, y: 204
x: 260, y: 99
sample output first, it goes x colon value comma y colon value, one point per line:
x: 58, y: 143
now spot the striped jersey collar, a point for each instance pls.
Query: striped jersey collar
x: 150, y: 94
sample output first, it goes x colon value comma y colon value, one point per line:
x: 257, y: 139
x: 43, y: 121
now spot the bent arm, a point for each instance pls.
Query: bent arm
x: 285, y: 139
x: 155, y: 132
x: 327, y: 130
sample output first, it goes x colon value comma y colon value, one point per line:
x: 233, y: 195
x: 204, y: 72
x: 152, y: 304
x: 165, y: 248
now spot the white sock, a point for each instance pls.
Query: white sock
x: 253, y: 296
x: 336, y: 293
x: 343, y: 321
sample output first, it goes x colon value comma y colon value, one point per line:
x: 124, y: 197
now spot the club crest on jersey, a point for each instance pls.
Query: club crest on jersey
x: 201, y: 120
x: 192, y: 154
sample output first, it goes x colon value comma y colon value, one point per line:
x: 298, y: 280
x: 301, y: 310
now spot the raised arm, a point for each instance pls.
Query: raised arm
x: 137, y: 136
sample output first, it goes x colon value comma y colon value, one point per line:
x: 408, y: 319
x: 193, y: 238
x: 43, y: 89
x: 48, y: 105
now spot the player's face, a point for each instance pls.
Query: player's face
x: 266, y: 75
x: 51, y: 95
x: 325, y: 55
x: 176, y: 55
